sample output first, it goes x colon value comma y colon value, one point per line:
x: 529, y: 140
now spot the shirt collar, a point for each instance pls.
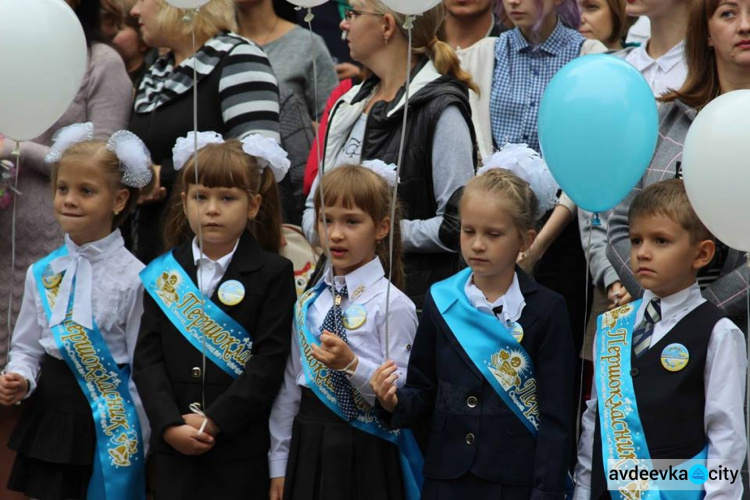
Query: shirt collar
x: 672, y: 304
x: 95, y: 249
x: 512, y: 302
x: 222, y: 262
x: 552, y: 45
x: 359, y: 280
x: 641, y: 60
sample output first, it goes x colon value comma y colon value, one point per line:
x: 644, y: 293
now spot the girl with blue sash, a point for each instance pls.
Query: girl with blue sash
x: 83, y: 434
x: 326, y: 442
x: 215, y: 331
x: 493, y: 363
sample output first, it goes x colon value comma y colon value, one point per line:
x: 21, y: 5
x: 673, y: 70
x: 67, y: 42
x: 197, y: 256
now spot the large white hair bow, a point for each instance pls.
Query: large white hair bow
x: 526, y: 163
x: 387, y: 171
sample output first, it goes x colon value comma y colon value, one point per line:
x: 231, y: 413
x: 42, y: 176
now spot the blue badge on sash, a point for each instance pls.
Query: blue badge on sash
x: 624, y: 443
x: 119, y: 466
x: 317, y: 377
x: 228, y: 345
x: 496, y: 353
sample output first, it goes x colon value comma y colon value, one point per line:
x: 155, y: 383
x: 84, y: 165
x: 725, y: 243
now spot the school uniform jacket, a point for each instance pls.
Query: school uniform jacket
x: 471, y: 429
x: 168, y: 369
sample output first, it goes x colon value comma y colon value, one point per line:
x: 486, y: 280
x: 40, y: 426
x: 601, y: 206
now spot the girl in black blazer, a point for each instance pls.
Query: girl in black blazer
x: 492, y: 365
x: 210, y: 414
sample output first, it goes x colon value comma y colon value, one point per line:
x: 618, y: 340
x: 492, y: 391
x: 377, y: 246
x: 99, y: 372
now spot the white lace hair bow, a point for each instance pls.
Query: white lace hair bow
x: 135, y: 160
x: 266, y: 150
x: 526, y: 163
x: 385, y: 170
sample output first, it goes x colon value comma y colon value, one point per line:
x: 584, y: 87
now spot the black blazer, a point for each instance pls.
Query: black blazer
x: 471, y: 429
x: 166, y: 367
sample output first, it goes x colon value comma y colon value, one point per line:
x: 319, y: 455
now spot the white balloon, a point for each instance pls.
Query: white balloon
x: 187, y: 4
x: 43, y: 50
x: 716, y: 168
x: 411, y: 7
x: 307, y: 3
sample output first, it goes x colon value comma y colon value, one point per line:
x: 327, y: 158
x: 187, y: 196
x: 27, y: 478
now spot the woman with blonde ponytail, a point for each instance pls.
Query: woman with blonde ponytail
x: 439, y: 149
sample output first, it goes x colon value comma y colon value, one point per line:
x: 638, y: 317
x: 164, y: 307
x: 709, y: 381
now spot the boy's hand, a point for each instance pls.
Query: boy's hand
x: 277, y: 488
x: 334, y: 352
x: 383, y: 383
x: 196, y: 421
x: 13, y: 388
x: 618, y: 295
x: 187, y: 440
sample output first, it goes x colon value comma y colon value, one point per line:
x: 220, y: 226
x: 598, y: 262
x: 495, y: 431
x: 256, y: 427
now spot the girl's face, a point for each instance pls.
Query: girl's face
x: 352, y: 237
x: 596, y: 20
x: 220, y: 214
x: 85, y: 202
x: 490, y: 240
x: 526, y: 14
x: 364, y: 30
x: 729, y: 35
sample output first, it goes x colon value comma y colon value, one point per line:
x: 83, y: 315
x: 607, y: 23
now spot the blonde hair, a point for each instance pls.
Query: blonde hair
x: 96, y: 152
x: 354, y: 186
x: 509, y: 189
x: 214, y: 17
x: 227, y: 165
x: 425, y: 41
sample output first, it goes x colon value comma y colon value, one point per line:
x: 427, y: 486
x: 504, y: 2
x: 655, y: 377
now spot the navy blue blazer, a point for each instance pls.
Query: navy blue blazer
x: 471, y: 429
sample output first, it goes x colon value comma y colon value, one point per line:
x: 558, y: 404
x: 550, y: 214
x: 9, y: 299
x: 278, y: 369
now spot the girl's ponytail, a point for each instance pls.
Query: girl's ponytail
x: 266, y: 226
x: 446, y: 62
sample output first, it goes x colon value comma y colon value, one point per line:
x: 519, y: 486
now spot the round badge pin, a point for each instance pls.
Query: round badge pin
x: 354, y: 317
x: 517, y: 332
x: 231, y: 292
x: 675, y: 357
x: 49, y: 279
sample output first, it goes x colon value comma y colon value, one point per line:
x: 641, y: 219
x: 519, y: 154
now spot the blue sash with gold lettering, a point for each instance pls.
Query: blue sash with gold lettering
x: 317, y: 377
x: 624, y: 443
x: 119, y: 466
x: 500, y: 358
x: 228, y: 345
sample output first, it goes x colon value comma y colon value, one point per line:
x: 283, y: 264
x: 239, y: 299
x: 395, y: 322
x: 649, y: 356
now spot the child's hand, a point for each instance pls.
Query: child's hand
x: 277, y: 488
x: 13, y: 387
x: 618, y: 295
x: 196, y: 421
x: 383, y: 382
x: 334, y: 352
x: 188, y: 440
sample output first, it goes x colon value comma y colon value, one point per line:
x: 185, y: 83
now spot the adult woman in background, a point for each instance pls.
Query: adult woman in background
x: 606, y: 21
x: 439, y: 152
x: 237, y: 95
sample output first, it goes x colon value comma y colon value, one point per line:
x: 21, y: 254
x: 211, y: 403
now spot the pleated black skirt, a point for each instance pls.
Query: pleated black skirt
x: 55, y: 438
x: 472, y: 487
x: 331, y: 460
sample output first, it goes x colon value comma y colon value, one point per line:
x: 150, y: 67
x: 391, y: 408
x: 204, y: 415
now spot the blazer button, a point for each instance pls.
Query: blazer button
x: 196, y: 372
x: 470, y: 439
x: 408, y: 347
x: 634, y: 372
x: 472, y: 402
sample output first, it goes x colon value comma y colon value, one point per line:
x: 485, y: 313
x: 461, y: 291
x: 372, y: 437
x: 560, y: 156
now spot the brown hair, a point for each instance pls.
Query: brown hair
x: 425, y: 41
x: 227, y: 165
x: 670, y: 199
x: 512, y: 191
x: 620, y: 21
x: 353, y: 186
x: 702, y: 83
x: 214, y: 17
x: 96, y: 152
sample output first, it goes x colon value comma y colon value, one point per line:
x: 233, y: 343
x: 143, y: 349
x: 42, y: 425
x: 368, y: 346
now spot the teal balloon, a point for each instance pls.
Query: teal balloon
x: 598, y: 127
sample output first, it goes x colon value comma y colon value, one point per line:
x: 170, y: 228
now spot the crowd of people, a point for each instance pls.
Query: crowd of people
x: 466, y: 330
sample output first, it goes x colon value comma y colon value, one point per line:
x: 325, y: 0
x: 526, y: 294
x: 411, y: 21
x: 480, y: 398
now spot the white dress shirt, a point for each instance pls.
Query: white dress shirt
x: 366, y: 286
x: 724, y: 376
x: 210, y: 271
x: 663, y: 74
x: 512, y: 302
x: 116, y: 303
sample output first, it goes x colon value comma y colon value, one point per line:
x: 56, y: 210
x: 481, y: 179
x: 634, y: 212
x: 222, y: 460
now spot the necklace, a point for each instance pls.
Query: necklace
x: 268, y: 35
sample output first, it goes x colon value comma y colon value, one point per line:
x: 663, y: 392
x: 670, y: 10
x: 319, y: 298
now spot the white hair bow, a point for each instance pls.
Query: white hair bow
x: 387, y: 171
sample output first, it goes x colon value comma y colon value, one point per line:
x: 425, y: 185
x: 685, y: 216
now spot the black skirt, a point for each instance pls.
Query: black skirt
x: 474, y: 488
x: 331, y: 460
x: 55, y: 438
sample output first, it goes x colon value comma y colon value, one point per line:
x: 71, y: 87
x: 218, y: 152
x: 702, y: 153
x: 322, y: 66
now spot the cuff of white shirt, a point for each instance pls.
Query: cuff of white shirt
x: 582, y: 493
x: 567, y: 202
x: 362, y: 374
x: 277, y: 468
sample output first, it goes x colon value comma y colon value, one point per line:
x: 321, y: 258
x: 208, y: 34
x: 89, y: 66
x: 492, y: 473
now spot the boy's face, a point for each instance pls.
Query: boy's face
x: 662, y: 255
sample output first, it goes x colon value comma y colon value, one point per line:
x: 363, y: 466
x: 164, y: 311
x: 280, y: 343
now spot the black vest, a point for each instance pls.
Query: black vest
x: 671, y: 404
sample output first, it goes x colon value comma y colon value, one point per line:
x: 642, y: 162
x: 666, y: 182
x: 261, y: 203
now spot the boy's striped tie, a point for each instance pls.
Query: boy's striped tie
x: 642, y: 334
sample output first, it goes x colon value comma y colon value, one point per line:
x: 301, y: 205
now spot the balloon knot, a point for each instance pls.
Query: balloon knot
x: 409, y: 23
x: 309, y: 16
x: 595, y: 220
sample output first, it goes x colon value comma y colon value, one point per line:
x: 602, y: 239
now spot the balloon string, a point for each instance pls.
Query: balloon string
x: 594, y: 221
x: 408, y: 25
x: 17, y: 153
